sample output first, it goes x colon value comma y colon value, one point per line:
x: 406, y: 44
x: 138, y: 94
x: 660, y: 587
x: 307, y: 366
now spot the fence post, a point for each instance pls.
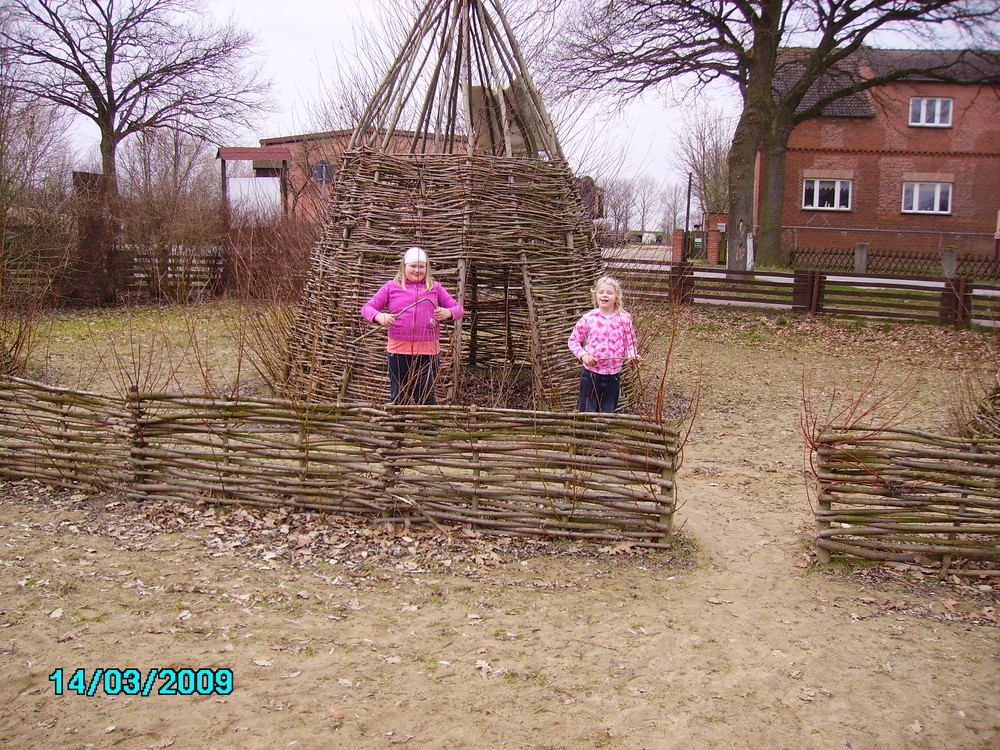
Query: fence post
x: 861, y: 257
x: 823, y: 556
x: 802, y: 288
x: 137, y: 440
x: 955, y: 301
x: 816, y: 284
x: 681, y: 283
x: 949, y: 262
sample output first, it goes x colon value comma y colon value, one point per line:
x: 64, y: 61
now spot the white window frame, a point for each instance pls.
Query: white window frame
x: 913, y: 192
x: 837, y: 190
x: 927, y: 111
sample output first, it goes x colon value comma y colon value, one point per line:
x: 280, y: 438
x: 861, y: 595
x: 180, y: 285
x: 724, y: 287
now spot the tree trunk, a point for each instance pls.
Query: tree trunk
x: 758, y: 110
x: 773, y: 152
x: 742, y: 161
x: 109, y: 262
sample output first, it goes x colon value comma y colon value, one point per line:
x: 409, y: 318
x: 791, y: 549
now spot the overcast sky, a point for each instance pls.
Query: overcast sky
x: 299, y: 39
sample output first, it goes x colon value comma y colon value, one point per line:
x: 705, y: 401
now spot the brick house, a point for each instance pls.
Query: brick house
x: 307, y: 195
x: 303, y: 196
x: 912, y: 165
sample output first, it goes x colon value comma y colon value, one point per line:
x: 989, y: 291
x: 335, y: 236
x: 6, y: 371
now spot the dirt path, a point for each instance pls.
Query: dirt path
x: 353, y: 638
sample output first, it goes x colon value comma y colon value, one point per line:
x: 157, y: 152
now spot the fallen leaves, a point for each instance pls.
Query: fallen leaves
x: 366, y: 550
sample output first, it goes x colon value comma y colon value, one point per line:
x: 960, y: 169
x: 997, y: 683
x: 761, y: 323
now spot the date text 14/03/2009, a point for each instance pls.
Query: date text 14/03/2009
x: 142, y: 682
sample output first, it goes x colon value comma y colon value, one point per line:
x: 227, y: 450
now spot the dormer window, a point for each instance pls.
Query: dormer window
x: 930, y: 112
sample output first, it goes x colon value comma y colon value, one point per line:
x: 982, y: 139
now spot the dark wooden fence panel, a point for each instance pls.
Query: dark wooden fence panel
x: 904, y: 298
x: 950, y: 301
x: 984, y: 304
x: 744, y: 288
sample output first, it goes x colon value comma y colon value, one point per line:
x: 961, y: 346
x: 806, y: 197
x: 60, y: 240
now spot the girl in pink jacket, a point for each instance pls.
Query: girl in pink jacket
x: 603, y: 339
x: 412, y: 307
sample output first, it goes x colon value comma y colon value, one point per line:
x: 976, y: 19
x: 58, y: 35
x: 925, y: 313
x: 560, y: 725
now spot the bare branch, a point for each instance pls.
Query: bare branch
x: 136, y: 65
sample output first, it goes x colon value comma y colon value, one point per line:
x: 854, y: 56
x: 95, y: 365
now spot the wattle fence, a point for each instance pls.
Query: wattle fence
x: 598, y: 477
x: 951, y: 301
x: 907, y: 496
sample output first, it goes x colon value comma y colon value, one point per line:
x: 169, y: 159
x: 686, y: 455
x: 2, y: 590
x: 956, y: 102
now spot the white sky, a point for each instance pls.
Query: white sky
x: 297, y: 39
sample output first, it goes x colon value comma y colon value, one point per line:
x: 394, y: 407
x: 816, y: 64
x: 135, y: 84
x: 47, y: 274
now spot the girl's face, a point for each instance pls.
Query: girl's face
x: 416, y: 272
x: 606, y: 297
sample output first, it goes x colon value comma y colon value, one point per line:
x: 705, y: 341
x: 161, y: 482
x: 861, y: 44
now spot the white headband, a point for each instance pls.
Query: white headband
x: 415, y: 255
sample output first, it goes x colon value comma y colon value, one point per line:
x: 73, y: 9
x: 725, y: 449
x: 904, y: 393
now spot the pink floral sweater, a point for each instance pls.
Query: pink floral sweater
x: 609, y: 338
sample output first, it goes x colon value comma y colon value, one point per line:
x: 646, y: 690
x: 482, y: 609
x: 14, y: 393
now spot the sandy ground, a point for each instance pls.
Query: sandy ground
x: 349, y: 636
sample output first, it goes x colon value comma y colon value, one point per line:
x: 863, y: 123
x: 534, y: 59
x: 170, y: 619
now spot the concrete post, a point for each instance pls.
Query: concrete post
x: 861, y: 257
x: 949, y: 262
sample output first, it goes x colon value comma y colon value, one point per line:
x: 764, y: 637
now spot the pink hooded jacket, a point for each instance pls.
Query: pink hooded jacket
x: 417, y: 323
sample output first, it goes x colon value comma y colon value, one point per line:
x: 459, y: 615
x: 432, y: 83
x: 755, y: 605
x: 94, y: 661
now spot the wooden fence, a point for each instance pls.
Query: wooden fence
x: 580, y: 476
x: 954, y: 301
x: 173, y: 272
x: 909, y: 496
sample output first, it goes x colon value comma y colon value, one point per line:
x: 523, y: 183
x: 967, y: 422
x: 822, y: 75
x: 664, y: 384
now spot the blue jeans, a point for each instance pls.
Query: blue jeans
x: 599, y: 393
x: 412, y: 377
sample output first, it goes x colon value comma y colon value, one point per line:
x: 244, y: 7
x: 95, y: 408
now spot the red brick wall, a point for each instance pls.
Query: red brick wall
x: 878, y: 153
x: 677, y: 246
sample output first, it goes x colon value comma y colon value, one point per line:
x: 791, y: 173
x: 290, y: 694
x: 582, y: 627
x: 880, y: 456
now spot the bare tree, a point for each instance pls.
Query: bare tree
x: 703, y: 152
x: 172, y: 180
x: 637, y: 45
x: 673, y: 204
x: 646, y: 201
x: 135, y: 65
x: 33, y: 143
x: 619, y: 208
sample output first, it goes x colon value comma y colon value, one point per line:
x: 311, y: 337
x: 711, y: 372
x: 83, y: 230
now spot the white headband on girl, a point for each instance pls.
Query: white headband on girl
x: 414, y: 255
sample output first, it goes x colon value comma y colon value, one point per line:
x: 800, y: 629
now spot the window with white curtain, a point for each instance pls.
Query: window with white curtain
x: 823, y: 194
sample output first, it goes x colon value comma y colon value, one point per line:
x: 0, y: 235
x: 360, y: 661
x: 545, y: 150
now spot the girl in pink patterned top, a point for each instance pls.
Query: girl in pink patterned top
x: 603, y: 339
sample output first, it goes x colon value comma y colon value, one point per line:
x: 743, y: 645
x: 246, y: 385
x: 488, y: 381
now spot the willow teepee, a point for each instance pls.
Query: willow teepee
x: 455, y: 153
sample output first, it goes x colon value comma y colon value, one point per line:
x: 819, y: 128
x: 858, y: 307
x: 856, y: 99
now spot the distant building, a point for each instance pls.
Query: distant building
x: 910, y: 165
x: 313, y: 158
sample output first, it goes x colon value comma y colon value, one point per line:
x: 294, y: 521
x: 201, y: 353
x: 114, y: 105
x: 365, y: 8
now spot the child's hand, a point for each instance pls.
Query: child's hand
x: 385, y: 319
x: 442, y: 314
x: 588, y: 359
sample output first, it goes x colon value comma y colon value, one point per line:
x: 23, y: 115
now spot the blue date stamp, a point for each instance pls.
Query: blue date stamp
x: 142, y: 682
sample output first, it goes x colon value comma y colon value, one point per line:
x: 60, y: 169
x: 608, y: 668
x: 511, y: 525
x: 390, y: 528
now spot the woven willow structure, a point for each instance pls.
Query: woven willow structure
x: 909, y: 496
x: 480, y: 182
x: 579, y: 476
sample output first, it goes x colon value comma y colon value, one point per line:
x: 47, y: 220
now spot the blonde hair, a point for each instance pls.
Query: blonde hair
x: 401, y: 273
x: 615, y: 285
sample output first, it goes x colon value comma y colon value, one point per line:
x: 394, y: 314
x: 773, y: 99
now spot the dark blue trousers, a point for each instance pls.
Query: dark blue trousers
x: 412, y: 377
x: 599, y: 392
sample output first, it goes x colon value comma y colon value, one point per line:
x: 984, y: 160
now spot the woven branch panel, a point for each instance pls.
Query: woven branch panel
x: 507, y: 237
x: 62, y: 437
x: 910, y: 496
x: 580, y: 476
